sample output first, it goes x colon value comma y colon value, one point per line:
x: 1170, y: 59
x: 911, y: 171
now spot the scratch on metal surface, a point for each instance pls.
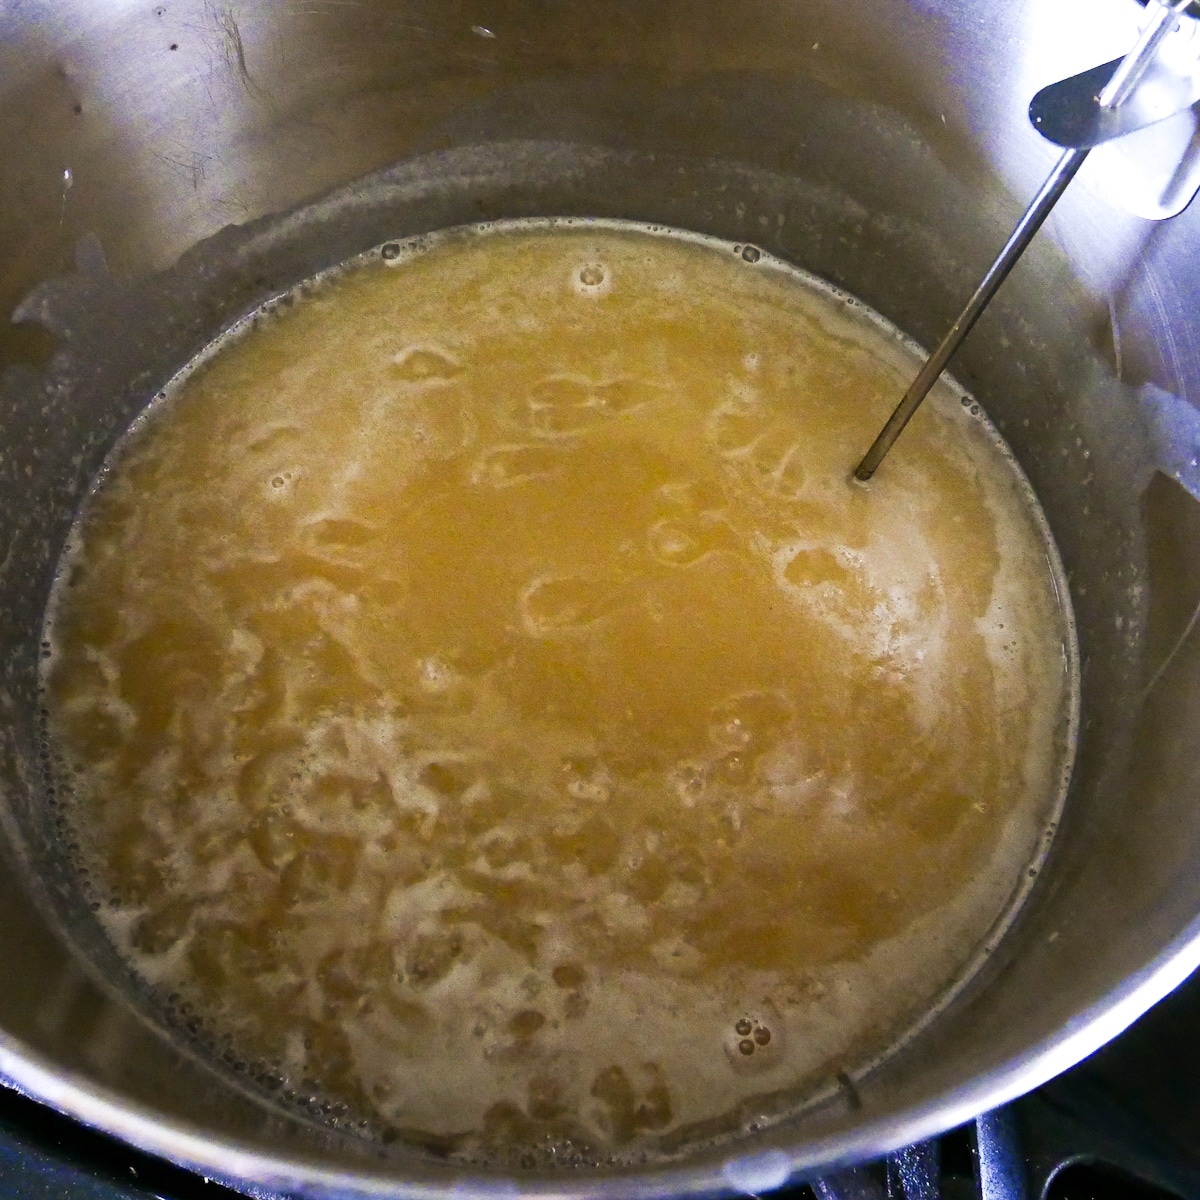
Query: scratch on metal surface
x: 183, y: 167
x: 1173, y: 426
x: 316, y: 7
x: 191, y: 162
x: 8, y: 557
x: 330, y: 8
x: 1116, y: 338
x: 1168, y: 335
x: 1165, y: 664
x: 222, y: 19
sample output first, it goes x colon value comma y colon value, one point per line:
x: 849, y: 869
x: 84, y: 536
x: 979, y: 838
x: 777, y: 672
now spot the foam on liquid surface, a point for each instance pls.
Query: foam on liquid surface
x: 488, y: 704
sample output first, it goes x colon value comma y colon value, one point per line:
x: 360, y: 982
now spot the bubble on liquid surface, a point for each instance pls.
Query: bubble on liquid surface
x: 564, y: 406
x: 553, y: 605
x: 425, y: 366
x: 592, y: 279
x: 509, y: 466
x: 280, y: 483
x: 673, y: 543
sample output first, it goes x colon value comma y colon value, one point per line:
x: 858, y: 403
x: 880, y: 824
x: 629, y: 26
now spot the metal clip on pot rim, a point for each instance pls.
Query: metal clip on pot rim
x: 1106, y: 102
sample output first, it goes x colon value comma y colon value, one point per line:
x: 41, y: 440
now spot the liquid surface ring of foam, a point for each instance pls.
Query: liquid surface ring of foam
x: 501, y: 725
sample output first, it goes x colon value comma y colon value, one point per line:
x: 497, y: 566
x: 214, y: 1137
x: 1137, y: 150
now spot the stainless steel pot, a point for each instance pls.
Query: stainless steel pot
x: 881, y: 144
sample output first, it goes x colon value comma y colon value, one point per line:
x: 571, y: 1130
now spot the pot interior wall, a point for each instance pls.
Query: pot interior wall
x: 814, y: 131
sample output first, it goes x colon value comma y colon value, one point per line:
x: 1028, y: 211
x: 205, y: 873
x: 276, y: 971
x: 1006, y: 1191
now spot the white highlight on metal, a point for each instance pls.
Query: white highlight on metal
x: 758, y: 1173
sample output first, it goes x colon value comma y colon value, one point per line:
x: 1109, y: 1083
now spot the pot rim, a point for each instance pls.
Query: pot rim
x: 761, y: 1167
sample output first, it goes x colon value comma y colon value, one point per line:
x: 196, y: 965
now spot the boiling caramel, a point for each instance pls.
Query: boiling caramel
x: 487, y: 704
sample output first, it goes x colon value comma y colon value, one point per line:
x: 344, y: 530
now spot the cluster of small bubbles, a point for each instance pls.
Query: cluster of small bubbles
x: 671, y: 543
x: 751, y: 1036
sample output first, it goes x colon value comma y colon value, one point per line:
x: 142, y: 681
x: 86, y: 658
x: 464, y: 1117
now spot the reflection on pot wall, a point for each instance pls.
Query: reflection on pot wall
x: 881, y: 145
